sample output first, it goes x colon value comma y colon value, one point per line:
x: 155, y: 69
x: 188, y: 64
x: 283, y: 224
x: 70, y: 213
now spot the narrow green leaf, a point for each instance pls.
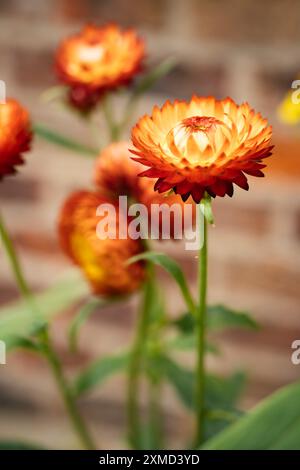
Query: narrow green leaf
x: 99, y: 371
x: 80, y: 319
x: 272, y: 425
x: 19, y: 342
x: 59, y: 139
x: 172, y: 268
x: 18, y: 320
x: 155, y: 74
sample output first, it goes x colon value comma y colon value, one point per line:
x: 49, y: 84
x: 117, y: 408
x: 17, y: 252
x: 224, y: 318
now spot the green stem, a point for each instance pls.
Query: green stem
x: 53, y: 360
x: 66, y: 392
x: 155, y: 414
x: 113, y: 127
x: 59, y: 139
x: 135, y: 365
x: 200, y: 331
x: 12, y: 256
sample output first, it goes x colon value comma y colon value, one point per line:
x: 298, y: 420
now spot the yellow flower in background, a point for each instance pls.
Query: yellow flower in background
x: 202, y: 145
x: 103, y: 261
x: 288, y: 111
x: 15, y: 136
x: 98, y: 59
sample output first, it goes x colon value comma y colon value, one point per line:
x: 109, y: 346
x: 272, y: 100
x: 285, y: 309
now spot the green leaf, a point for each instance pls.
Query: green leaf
x: 58, y: 139
x: 185, y: 342
x: 172, y: 268
x: 18, y: 320
x: 272, y: 425
x: 100, y: 371
x: 19, y: 342
x: 80, y: 319
x: 218, y: 317
x: 155, y: 74
x: 182, y: 380
x: 185, y: 323
x: 19, y: 445
x: 220, y: 393
x: 223, y: 392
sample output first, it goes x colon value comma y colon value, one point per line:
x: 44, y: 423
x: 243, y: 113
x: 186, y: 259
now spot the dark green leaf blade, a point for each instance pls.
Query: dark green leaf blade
x: 273, y: 424
x: 99, y: 371
x: 220, y: 317
x: 221, y: 392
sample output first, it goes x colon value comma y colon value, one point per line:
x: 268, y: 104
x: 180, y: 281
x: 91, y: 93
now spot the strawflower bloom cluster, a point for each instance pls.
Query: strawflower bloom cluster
x: 202, y: 146
x: 103, y: 261
x: 15, y: 136
x: 96, y: 60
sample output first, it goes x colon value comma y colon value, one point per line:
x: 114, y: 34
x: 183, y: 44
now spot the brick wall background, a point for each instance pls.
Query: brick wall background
x: 246, y: 49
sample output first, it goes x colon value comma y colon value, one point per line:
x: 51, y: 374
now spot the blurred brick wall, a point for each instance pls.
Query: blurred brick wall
x: 246, y: 49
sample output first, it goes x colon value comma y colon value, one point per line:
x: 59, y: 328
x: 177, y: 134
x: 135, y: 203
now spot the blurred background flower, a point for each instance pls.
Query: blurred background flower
x: 102, y: 260
x: 15, y: 136
x: 96, y: 60
x: 117, y: 174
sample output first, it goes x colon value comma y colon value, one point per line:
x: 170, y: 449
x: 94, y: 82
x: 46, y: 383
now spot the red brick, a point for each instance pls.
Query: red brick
x: 16, y: 188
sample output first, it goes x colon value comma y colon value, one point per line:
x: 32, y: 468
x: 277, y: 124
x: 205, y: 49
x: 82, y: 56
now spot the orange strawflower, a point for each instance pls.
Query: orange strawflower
x: 202, y: 145
x: 116, y: 174
x: 15, y: 136
x: 101, y: 259
x: 98, y: 59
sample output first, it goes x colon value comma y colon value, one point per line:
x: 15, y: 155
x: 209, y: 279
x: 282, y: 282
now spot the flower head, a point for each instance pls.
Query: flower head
x: 98, y: 59
x: 289, y: 111
x: 203, y: 145
x: 15, y: 136
x: 101, y: 259
x: 116, y: 174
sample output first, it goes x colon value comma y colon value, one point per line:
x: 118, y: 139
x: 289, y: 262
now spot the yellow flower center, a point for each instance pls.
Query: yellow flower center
x: 86, y: 257
x: 194, y: 139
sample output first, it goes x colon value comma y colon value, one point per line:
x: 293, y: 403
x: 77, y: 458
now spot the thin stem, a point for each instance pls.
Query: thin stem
x: 155, y: 414
x: 66, y: 392
x: 200, y: 332
x: 46, y: 346
x: 12, y: 256
x: 135, y: 365
x: 113, y: 127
